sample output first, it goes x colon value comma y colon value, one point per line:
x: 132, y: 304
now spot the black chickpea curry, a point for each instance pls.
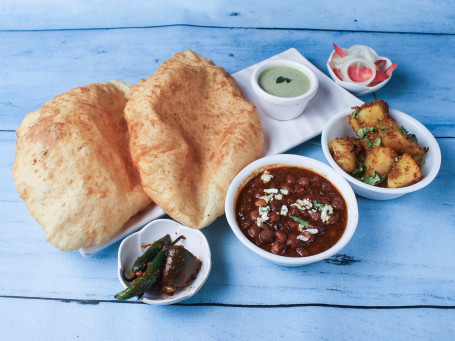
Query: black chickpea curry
x: 384, y: 153
x: 291, y: 211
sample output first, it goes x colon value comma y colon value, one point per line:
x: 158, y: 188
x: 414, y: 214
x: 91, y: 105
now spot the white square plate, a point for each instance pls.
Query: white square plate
x: 280, y: 136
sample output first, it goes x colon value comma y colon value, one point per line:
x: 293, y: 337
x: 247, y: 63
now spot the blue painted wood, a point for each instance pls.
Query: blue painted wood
x: 401, y: 254
x: 53, y: 62
x: 392, y: 16
x: 57, y: 320
x: 394, y: 257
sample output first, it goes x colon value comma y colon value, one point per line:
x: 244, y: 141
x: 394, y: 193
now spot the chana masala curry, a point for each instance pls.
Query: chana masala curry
x: 291, y: 211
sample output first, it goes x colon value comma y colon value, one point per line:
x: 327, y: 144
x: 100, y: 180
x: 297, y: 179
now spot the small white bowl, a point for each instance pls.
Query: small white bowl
x: 283, y: 108
x: 338, y: 127
x: 300, y: 161
x: 194, y: 241
x: 355, y: 88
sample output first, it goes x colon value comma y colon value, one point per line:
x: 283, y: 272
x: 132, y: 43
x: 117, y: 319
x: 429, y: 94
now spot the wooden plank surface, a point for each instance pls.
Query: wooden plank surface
x: 393, y: 258
x: 417, y: 16
x: 70, y: 320
x: 395, y: 279
x: 56, y: 61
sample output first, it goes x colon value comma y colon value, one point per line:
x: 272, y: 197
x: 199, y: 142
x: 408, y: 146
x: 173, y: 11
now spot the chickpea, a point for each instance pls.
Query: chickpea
x: 302, y: 251
x: 326, y: 187
x: 260, y: 202
x: 316, y: 215
x: 337, y: 202
x: 258, y: 194
x: 299, y: 189
x: 277, y: 247
x: 304, y: 181
x: 293, y: 211
x: 253, y: 231
x: 315, y: 181
x: 290, y: 179
x: 267, y: 235
x: 292, y: 241
x: 281, y: 236
x: 274, y: 217
x: 254, y: 215
x: 275, y: 205
x: 288, y: 188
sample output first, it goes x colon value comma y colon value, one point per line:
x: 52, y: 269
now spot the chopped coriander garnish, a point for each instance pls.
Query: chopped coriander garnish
x: 362, y: 121
x: 300, y: 221
x: 363, y: 131
x: 374, y: 179
x: 282, y: 79
x: 385, y: 128
x: 319, y: 206
x: 403, y: 170
x: 406, y: 134
x: 43, y: 152
x: 377, y: 142
x: 379, y: 122
x: 355, y: 113
x: 367, y: 140
x: 360, y: 168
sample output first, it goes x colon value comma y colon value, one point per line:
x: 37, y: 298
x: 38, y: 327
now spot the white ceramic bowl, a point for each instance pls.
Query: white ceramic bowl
x: 283, y: 108
x: 292, y: 160
x: 338, y: 126
x: 355, y: 88
x: 195, y: 242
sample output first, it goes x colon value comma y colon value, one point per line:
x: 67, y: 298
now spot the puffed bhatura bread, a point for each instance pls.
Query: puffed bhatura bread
x: 191, y: 131
x: 73, y: 168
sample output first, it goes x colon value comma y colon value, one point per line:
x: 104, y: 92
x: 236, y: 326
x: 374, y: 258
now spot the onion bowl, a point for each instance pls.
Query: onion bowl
x: 359, y: 89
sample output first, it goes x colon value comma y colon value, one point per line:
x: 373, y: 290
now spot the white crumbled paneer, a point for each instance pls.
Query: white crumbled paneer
x: 267, y: 198
x: 270, y: 190
x: 312, y: 231
x: 263, y: 215
x: 278, y: 196
x: 303, y: 204
x: 264, y: 212
x: 284, y: 191
x: 302, y: 238
x: 326, y: 213
x: 284, y: 210
x: 266, y: 176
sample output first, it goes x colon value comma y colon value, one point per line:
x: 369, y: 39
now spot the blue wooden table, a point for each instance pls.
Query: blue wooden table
x: 396, y: 278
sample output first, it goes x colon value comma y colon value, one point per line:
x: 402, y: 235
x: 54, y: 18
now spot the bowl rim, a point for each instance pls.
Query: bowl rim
x: 396, y: 114
x: 284, y: 100
x: 207, y: 264
x: 304, y: 162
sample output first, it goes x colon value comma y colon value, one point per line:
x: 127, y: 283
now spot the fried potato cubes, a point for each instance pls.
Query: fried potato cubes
x: 383, y: 153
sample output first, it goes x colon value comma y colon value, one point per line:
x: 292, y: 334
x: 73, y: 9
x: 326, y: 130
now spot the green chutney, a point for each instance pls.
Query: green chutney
x: 284, y: 81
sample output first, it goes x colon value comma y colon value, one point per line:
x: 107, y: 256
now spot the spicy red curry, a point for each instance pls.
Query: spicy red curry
x: 291, y: 211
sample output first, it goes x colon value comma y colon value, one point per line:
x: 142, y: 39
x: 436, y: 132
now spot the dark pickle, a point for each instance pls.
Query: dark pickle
x: 180, y: 269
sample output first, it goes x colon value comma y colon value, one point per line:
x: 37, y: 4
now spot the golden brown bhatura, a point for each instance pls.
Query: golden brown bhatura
x: 73, y: 168
x: 191, y: 131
